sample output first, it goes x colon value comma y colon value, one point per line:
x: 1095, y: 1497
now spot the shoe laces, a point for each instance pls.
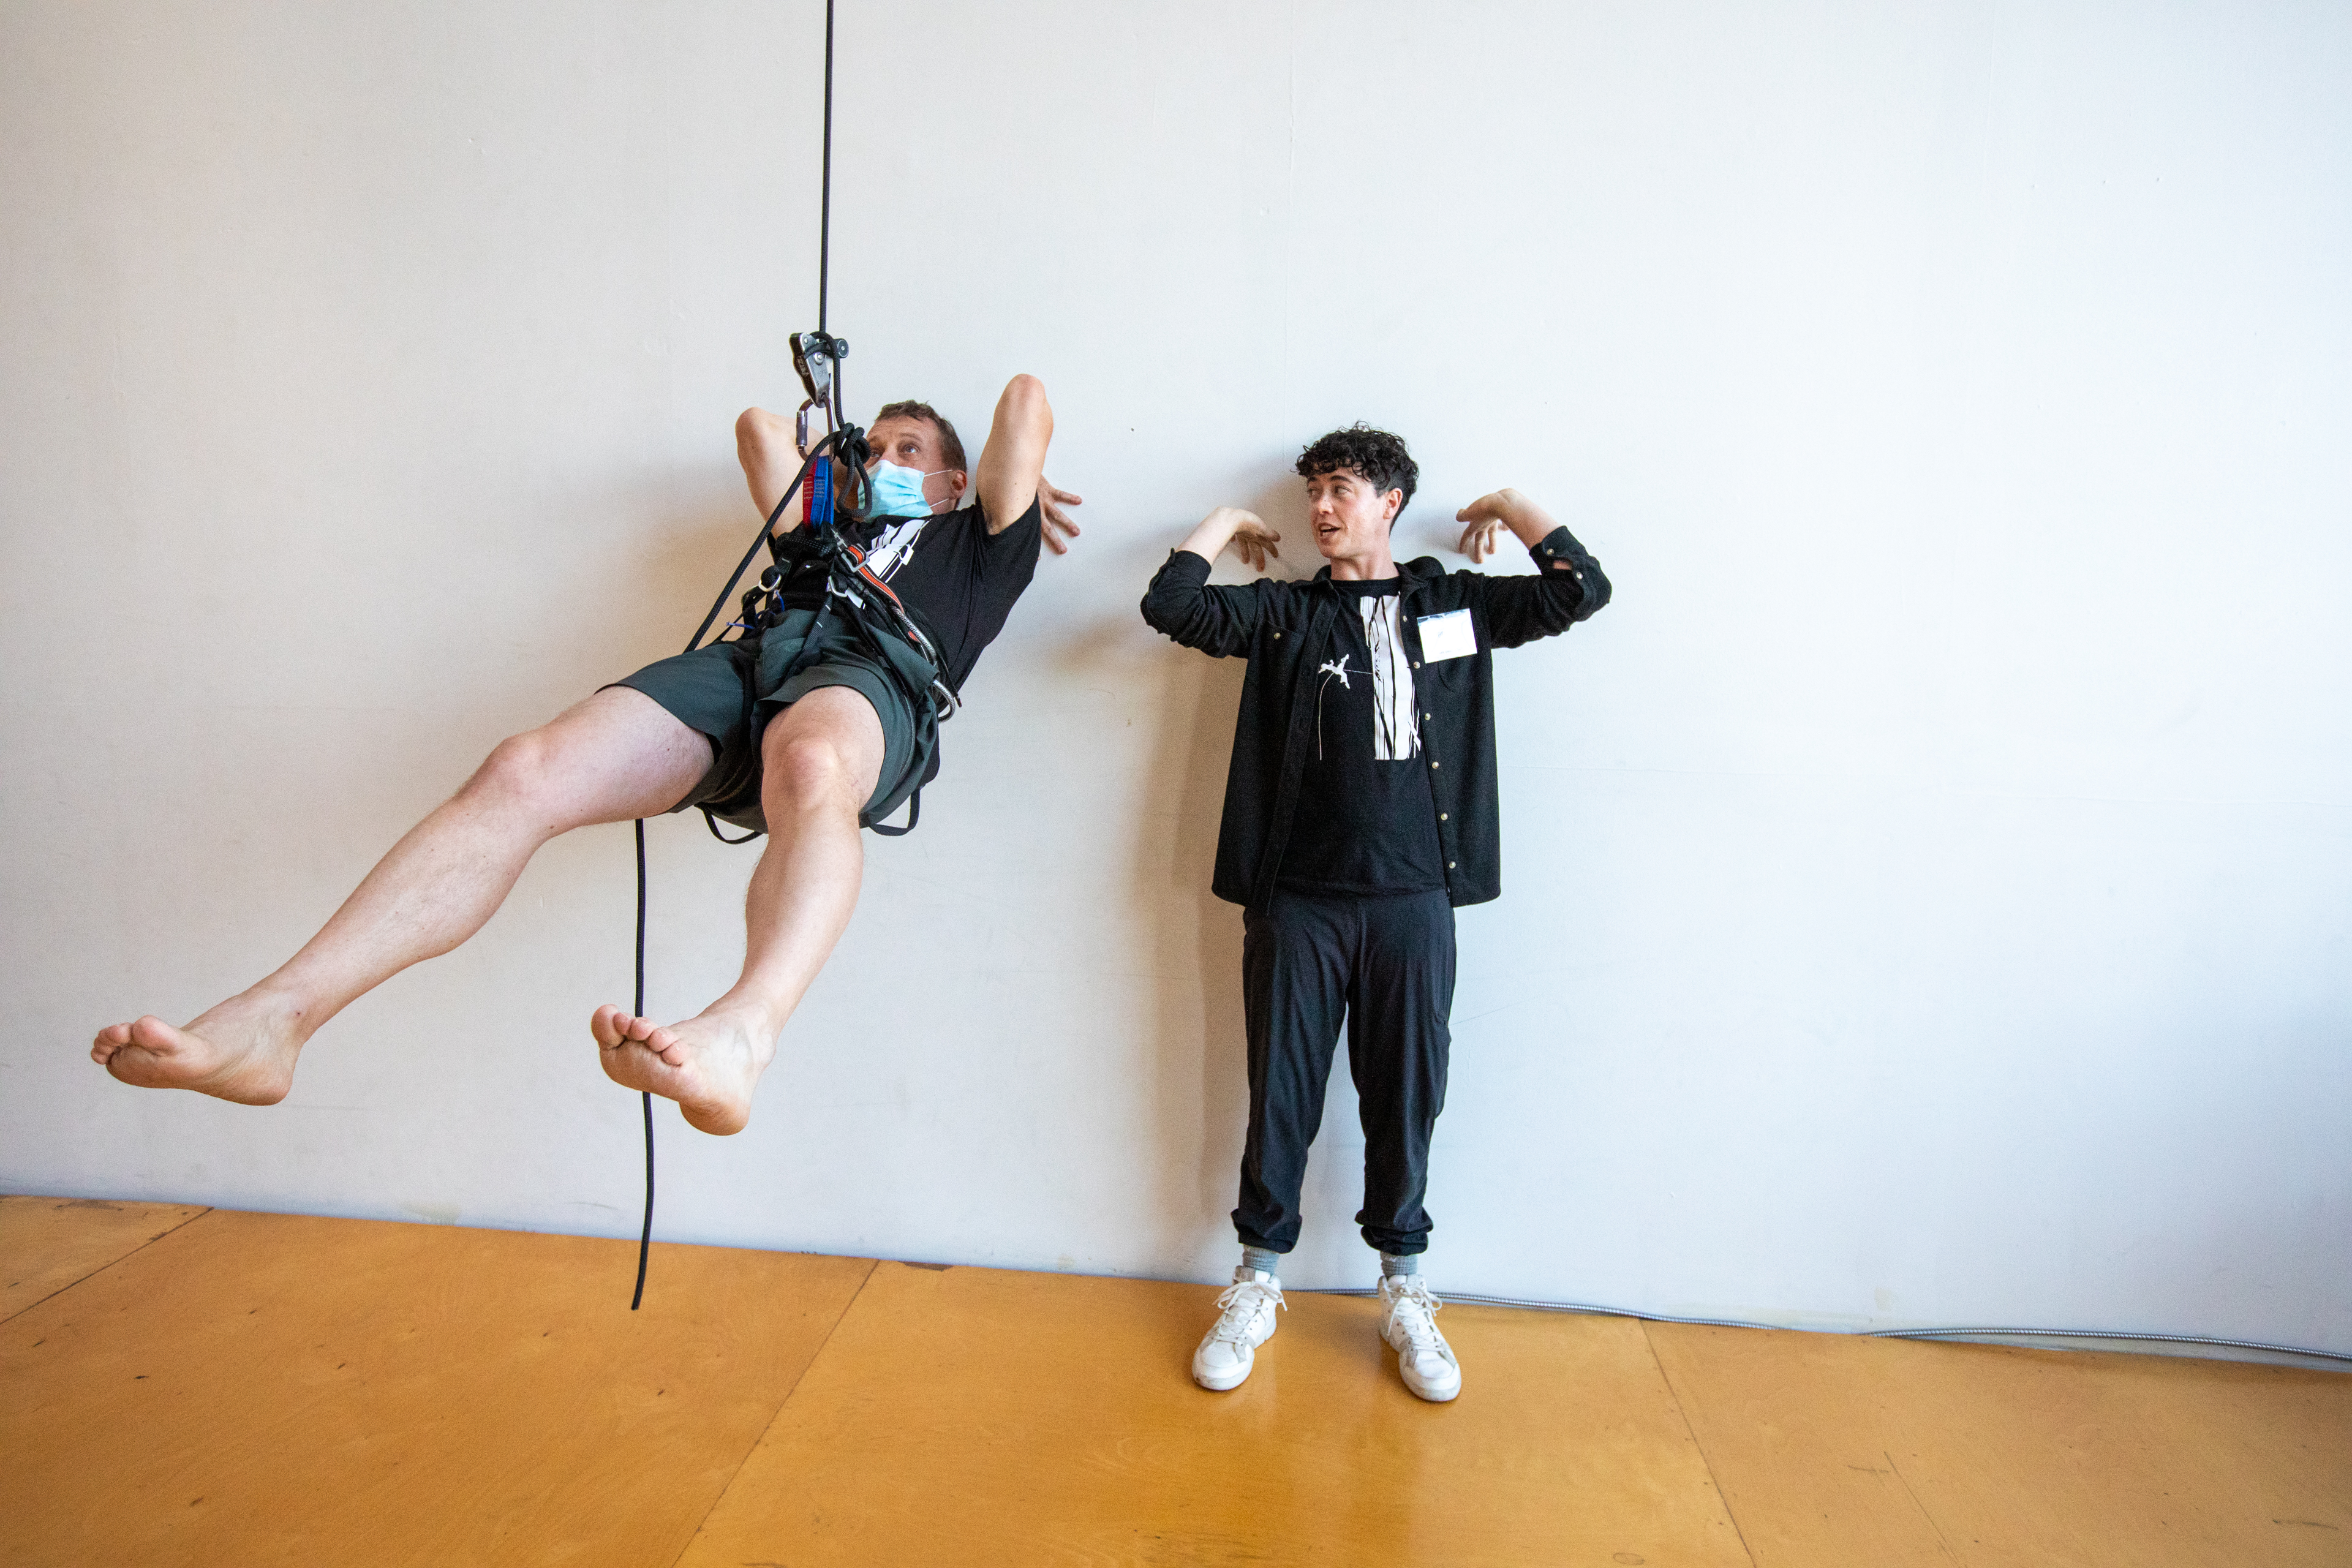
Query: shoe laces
x: 1413, y: 1308
x: 1242, y: 1302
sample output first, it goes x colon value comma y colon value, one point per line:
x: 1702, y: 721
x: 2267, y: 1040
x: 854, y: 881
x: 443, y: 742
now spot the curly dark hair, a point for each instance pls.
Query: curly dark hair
x: 950, y: 443
x: 1373, y: 456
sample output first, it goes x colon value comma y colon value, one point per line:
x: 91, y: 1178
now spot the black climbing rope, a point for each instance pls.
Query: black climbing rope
x: 818, y: 551
x: 645, y: 1236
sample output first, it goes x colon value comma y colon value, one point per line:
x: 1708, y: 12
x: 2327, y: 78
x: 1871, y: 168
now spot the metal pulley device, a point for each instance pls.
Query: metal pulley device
x: 816, y: 356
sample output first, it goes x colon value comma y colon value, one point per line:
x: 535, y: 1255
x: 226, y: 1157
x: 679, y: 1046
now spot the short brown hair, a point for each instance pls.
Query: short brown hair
x: 1375, y: 457
x: 950, y: 443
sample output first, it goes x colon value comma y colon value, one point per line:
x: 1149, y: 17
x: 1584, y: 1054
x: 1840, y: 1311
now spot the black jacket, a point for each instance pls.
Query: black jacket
x: 1285, y: 629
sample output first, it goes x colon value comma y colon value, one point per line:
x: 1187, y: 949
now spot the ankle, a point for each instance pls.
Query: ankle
x: 760, y: 1020
x: 287, y: 1011
x: 1262, y: 1259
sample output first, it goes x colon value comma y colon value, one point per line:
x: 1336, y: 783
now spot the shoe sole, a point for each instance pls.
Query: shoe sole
x: 1416, y: 1390
x: 1215, y: 1385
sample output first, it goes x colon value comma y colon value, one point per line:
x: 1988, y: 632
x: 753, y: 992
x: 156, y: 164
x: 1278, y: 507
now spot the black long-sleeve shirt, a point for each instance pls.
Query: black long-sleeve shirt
x: 1286, y: 630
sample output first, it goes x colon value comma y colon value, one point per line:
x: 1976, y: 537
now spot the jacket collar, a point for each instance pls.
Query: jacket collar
x: 1410, y: 575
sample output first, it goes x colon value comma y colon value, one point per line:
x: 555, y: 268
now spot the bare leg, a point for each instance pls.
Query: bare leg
x: 619, y: 754
x: 822, y: 758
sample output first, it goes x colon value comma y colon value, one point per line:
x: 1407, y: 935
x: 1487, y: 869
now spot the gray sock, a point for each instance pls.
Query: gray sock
x: 1393, y: 1264
x: 1263, y: 1259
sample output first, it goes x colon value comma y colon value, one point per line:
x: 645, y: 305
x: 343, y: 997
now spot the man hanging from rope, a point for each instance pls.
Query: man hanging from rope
x: 805, y: 747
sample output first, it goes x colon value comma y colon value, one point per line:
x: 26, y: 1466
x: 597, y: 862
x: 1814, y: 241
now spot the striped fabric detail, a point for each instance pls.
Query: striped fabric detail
x: 1395, y: 736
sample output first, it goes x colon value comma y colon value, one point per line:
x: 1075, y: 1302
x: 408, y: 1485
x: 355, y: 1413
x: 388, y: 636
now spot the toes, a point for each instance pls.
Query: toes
x: 614, y: 1029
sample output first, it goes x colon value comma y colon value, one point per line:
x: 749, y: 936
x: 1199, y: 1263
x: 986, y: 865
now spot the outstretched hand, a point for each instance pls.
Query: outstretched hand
x: 1253, y: 539
x: 1246, y: 531
x: 1057, y: 525
x: 1488, y: 518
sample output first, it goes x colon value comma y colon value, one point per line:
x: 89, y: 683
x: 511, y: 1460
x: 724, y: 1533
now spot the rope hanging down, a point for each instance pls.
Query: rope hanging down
x: 797, y: 560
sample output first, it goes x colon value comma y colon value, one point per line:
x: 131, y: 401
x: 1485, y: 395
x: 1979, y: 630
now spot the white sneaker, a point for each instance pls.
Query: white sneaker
x: 1423, y: 1358
x: 1245, y: 1321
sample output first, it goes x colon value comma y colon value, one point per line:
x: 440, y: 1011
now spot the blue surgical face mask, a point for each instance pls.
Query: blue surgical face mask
x: 898, y: 491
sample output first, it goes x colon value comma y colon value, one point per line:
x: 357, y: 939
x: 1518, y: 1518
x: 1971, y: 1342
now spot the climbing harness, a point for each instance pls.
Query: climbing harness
x: 820, y: 568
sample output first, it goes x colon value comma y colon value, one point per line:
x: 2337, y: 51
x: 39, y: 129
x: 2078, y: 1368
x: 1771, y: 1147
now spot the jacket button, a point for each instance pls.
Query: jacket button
x: 1416, y: 663
x: 1277, y: 637
x: 1432, y: 764
x: 1441, y: 816
x: 1449, y: 865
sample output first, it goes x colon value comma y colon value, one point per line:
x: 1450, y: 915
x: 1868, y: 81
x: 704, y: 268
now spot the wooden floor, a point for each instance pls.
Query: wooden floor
x: 205, y: 1387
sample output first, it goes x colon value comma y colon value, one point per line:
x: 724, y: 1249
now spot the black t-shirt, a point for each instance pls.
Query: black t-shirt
x: 1365, y: 822
x: 960, y: 580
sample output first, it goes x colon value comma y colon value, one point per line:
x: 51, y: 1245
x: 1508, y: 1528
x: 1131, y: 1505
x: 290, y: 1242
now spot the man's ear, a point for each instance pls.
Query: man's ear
x: 957, y: 482
x: 1395, y: 501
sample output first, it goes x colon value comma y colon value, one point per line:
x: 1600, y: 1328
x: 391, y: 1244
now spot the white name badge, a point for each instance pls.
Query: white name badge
x: 1448, y: 635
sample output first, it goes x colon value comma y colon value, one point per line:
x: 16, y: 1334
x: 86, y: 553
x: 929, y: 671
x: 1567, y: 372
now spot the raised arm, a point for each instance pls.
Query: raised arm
x: 1488, y: 515
x: 1014, y: 458
x: 1568, y: 586
x: 764, y: 443
x: 1246, y: 531
x: 1180, y: 602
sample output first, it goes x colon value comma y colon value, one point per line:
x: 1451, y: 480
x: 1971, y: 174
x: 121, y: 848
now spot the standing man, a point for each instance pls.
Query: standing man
x: 1360, y: 808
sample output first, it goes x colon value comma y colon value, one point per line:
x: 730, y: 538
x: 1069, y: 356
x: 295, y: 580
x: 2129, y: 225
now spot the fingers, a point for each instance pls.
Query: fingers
x: 1059, y: 528
x: 1487, y: 508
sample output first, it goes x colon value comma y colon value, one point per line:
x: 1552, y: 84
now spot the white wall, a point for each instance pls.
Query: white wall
x: 1927, y: 885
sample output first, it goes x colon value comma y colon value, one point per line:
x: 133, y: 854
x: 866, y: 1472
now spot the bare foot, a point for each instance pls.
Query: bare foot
x: 242, y: 1050
x: 708, y: 1064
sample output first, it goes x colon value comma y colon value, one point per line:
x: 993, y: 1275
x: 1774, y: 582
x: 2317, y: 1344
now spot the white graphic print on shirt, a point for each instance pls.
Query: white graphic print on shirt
x: 1395, y: 737
x: 894, y: 547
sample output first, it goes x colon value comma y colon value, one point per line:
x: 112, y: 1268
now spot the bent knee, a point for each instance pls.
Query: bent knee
x: 522, y: 772
x: 812, y: 772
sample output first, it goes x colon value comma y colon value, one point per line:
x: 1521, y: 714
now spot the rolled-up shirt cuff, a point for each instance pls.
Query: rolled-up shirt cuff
x: 1558, y: 551
x: 1183, y: 562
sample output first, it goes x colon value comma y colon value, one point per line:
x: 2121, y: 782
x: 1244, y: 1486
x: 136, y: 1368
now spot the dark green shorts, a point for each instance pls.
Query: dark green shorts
x: 729, y: 691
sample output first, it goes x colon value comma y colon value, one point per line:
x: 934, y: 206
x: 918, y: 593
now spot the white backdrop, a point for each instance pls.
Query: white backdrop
x: 1925, y: 886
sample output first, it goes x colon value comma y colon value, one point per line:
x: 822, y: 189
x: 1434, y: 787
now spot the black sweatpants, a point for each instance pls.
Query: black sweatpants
x: 1387, y: 964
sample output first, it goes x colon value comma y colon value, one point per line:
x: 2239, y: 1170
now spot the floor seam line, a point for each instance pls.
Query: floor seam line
x: 777, y: 1414
x: 104, y: 1267
x: 1705, y: 1459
